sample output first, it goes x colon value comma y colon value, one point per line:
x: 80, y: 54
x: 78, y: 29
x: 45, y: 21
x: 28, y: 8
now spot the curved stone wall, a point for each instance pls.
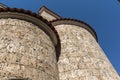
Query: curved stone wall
x: 26, y: 52
x: 81, y: 57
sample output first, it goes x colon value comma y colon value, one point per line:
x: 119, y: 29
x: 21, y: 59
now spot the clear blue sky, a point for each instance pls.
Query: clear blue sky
x: 102, y: 15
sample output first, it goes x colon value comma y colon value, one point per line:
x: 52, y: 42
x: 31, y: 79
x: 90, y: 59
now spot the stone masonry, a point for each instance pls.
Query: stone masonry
x: 30, y: 48
x: 81, y: 57
x: 25, y: 52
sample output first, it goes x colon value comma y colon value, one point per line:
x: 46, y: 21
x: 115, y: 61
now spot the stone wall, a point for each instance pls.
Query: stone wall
x: 81, y: 57
x: 26, y: 52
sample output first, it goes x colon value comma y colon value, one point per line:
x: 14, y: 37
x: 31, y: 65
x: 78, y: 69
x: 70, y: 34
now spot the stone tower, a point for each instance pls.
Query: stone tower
x: 30, y: 48
x: 81, y: 57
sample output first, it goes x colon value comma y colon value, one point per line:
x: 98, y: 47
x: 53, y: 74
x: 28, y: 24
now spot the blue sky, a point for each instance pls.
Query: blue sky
x: 102, y: 15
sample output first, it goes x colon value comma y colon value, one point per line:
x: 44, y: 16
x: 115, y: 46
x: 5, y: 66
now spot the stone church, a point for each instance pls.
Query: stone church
x: 46, y: 46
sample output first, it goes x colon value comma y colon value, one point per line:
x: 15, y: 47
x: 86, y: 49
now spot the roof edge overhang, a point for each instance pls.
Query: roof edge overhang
x: 77, y: 23
x: 15, y: 13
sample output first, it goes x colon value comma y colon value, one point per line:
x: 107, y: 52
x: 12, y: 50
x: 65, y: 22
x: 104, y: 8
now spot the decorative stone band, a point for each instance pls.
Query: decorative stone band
x: 37, y: 20
x: 77, y: 23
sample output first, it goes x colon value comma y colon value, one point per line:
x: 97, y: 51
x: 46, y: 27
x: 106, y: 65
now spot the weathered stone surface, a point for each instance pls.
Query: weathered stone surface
x: 47, y: 16
x: 26, y: 52
x: 81, y: 57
